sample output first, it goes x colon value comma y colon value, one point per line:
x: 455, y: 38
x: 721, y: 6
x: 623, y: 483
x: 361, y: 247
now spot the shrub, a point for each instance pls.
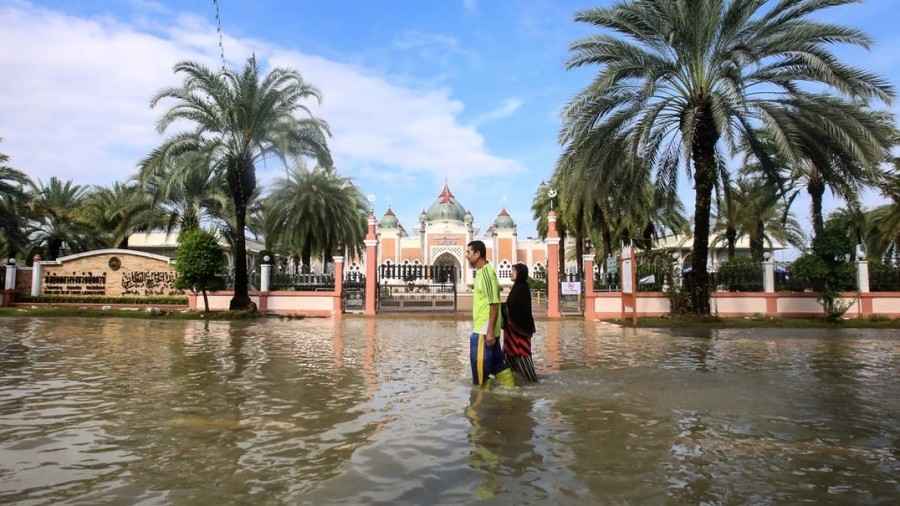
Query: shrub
x: 59, y: 299
x: 199, y: 261
x: 740, y: 274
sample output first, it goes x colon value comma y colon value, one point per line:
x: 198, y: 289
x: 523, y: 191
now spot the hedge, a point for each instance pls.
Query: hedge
x: 174, y: 301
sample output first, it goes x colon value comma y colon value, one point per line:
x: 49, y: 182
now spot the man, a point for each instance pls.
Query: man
x: 484, y: 345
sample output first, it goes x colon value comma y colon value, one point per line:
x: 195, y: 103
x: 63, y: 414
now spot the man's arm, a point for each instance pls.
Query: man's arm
x: 492, y: 322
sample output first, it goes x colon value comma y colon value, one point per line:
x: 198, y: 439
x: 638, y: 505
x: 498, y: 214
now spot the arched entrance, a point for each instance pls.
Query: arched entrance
x: 448, y: 259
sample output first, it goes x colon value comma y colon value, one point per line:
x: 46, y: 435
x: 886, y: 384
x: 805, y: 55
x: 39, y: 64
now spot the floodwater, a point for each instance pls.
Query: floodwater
x: 355, y: 411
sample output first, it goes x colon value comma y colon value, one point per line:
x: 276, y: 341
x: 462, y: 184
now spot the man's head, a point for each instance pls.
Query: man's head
x: 476, y: 253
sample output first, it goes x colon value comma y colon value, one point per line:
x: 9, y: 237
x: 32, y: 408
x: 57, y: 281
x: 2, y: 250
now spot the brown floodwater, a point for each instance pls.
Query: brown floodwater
x: 355, y: 411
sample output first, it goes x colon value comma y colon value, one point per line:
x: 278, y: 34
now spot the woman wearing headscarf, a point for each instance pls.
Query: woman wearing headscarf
x: 519, y: 325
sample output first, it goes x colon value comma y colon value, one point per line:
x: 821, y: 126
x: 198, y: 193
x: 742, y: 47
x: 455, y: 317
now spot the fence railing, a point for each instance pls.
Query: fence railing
x: 884, y: 279
x: 309, y: 282
x: 227, y: 280
x: 412, y: 273
x: 607, y: 282
x: 750, y: 280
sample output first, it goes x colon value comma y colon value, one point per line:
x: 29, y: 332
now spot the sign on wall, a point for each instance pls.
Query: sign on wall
x: 75, y: 283
x: 570, y: 288
x: 109, y: 273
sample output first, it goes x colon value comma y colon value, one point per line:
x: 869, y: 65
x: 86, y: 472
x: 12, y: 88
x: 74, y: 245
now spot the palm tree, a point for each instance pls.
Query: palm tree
x: 13, y: 208
x: 756, y: 210
x: 316, y: 212
x: 817, y: 160
x: 185, y: 191
x: 59, y: 221
x: 119, y: 211
x: 540, y: 209
x: 240, y: 118
x: 885, y: 220
x: 685, y: 79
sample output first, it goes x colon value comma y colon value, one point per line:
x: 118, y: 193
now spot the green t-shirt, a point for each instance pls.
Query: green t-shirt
x: 487, y: 292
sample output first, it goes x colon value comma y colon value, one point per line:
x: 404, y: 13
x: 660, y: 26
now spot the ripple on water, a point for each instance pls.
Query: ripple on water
x: 381, y: 412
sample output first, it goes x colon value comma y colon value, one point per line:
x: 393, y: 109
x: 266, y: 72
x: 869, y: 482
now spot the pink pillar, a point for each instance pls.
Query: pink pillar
x: 588, y: 262
x: 371, y: 267
x: 338, y: 286
x: 552, y: 267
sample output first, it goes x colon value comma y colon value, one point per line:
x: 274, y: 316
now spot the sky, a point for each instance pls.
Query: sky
x: 415, y: 92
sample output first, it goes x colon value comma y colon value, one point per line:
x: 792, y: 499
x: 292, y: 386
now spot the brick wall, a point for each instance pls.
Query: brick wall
x: 137, y: 276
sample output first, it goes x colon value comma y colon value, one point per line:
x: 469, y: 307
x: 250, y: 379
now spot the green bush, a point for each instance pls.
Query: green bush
x: 809, y: 271
x: 199, y: 261
x: 740, y: 274
x: 144, y: 301
x: 883, y: 277
x: 536, y: 284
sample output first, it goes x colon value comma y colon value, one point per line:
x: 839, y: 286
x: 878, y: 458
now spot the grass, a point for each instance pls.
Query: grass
x: 756, y: 322
x: 142, y: 313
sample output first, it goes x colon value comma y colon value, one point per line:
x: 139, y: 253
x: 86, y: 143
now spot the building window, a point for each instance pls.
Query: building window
x: 504, y: 271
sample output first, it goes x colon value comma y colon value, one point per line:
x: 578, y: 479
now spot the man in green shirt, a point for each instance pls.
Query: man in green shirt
x: 484, y: 345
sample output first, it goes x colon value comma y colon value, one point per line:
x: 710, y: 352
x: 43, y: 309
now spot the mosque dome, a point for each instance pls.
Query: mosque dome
x: 504, y: 220
x: 389, y: 221
x: 446, y: 208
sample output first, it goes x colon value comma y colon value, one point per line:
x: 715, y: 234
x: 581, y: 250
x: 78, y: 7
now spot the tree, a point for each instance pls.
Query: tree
x: 316, y: 212
x: 118, y: 211
x: 238, y: 119
x: 818, y: 160
x: 59, y: 221
x: 184, y: 190
x: 14, y: 223
x: 682, y: 80
x: 540, y: 209
x: 885, y: 220
x: 755, y: 209
x: 199, y: 261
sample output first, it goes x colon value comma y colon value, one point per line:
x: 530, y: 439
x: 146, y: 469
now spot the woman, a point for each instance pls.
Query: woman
x: 519, y: 325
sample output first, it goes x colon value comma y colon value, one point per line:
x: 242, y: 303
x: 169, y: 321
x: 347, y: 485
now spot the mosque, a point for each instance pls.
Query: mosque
x: 441, y: 236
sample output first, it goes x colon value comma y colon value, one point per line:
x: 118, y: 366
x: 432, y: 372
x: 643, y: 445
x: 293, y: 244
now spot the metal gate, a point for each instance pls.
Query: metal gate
x: 417, y: 288
x: 571, y: 294
x: 354, y: 292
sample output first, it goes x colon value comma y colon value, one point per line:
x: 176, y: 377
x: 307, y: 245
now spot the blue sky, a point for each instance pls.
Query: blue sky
x: 416, y: 91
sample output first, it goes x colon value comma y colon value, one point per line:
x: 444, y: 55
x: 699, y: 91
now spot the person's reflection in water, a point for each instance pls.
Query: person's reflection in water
x: 368, y: 360
x: 551, y: 346
x: 337, y: 344
x: 501, y: 439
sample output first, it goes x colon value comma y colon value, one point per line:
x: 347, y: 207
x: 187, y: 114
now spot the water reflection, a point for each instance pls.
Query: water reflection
x: 380, y: 412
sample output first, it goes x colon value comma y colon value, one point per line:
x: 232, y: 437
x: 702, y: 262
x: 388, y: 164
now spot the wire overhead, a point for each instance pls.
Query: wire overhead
x: 219, y: 31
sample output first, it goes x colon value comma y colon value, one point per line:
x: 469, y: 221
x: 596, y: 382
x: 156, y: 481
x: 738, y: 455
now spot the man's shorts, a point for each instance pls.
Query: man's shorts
x: 486, y: 360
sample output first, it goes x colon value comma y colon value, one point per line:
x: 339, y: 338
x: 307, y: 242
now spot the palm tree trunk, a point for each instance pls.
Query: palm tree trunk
x: 53, y: 247
x: 240, y: 181
x: 306, y: 258
x: 757, y: 242
x: 816, y: 190
x: 731, y: 237
x: 241, y: 299
x: 605, y: 234
x: 579, y: 253
x: 562, y: 252
x: 704, y: 152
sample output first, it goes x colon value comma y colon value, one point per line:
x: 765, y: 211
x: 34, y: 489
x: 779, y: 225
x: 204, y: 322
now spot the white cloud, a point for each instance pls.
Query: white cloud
x: 505, y: 110
x: 74, y: 100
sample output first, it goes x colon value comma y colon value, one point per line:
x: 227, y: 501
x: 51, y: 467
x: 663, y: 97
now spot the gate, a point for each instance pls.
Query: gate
x: 354, y: 292
x: 417, y: 288
x: 571, y: 294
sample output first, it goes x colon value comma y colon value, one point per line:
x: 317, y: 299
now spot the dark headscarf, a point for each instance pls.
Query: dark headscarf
x: 518, y: 303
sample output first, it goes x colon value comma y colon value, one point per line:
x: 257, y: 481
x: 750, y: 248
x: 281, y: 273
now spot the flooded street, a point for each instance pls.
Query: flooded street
x: 356, y: 411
